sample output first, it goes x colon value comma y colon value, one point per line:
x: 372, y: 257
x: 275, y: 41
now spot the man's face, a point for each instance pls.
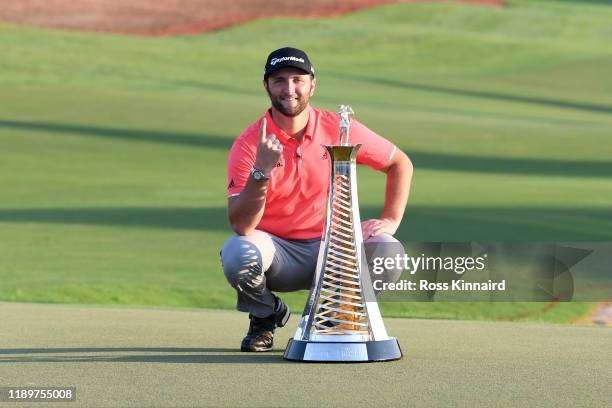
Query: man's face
x: 290, y: 90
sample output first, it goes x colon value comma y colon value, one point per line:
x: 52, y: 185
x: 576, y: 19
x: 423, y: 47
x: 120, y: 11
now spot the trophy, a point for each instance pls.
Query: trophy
x: 341, y: 321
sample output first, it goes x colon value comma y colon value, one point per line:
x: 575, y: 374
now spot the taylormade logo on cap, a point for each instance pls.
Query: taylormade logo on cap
x: 287, y: 57
x: 274, y: 61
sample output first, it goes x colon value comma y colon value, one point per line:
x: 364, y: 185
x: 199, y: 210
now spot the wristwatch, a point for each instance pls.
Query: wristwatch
x: 258, y: 175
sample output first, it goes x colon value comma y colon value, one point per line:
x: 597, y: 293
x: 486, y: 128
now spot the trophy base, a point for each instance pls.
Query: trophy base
x: 343, y: 352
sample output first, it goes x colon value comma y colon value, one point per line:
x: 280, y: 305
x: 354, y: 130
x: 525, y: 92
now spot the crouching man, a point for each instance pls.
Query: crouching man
x: 278, y: 179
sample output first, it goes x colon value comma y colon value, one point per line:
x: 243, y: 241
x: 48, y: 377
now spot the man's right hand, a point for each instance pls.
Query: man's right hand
x: 269, y: 150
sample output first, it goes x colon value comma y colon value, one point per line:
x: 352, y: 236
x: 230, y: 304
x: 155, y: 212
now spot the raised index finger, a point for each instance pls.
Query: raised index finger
x: 262, y: 131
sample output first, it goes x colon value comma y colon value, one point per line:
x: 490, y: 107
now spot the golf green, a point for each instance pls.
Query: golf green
x: 117, y: 356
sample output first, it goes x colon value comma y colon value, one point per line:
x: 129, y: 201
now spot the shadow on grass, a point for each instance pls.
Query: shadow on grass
x: 421, y: 223
x: 460, y: 224
x: 175, y: 218
x: 171, y: 355
x: 501, y: 165
x: 424, y: 160
x: 65, y: 350
x: 185, y: 139
x: 496, y: 96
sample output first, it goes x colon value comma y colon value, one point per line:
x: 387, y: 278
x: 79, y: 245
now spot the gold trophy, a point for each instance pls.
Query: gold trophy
x: 341, y: 321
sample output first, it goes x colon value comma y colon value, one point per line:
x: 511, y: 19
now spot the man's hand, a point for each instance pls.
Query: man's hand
x: 374, y: 227
x: 269, y: 150
x: 399, y: 176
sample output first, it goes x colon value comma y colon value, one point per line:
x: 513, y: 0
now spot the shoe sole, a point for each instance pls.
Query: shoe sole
x: 285, y: 318
x: 256, y: 350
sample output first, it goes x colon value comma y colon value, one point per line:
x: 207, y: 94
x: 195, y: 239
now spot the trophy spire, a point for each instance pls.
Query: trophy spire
x: 341, y: 320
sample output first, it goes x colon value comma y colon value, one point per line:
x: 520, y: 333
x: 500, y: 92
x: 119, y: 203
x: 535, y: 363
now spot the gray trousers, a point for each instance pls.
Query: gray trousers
x: 257, y: 264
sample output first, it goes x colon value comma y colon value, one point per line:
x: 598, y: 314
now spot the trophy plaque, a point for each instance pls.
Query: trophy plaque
x: 341, y: 321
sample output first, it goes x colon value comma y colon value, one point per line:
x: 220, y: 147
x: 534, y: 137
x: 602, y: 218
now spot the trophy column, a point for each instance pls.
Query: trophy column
x: 341, y: 321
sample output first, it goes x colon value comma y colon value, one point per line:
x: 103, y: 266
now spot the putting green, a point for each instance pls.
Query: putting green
x: 118, y: 356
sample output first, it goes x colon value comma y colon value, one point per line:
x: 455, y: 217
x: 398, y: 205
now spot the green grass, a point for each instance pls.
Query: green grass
x: 113, y: 148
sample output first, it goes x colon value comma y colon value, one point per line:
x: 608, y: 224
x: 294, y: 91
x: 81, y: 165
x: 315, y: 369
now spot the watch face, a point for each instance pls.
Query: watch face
x: 258, y: 175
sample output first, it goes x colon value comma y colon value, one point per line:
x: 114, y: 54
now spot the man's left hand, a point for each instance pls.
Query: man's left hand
x: 374, y: 227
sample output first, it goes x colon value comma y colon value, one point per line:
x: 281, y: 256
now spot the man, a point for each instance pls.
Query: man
x: 278, y: 181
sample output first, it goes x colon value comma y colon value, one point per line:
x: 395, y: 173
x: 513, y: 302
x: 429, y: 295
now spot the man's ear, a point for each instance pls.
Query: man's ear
x: 313, y: 86
x: 265, y: 84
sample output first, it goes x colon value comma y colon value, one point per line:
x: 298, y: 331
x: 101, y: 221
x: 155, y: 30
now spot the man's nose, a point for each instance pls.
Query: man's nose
x: 289, y: 88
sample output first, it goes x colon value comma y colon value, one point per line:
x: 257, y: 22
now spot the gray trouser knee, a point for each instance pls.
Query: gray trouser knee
x: 384, y: 246
x: 245, y: 260
x: 259, y: 263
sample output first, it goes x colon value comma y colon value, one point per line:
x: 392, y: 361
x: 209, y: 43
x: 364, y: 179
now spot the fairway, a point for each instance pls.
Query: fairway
x: 162, y: 357
x: 113, y: 148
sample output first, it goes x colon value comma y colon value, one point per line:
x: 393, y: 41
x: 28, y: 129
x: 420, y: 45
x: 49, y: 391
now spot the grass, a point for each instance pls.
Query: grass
x: 114, y: 148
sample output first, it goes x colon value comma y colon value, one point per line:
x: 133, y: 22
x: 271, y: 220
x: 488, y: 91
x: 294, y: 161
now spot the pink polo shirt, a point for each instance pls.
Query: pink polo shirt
x: 297, y: 191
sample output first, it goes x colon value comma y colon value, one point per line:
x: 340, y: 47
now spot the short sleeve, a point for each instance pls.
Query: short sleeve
x: 375, y: 151
x: 239, y: 163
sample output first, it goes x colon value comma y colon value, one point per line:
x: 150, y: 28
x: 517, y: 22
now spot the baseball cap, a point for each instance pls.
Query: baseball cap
x: 287, y: 57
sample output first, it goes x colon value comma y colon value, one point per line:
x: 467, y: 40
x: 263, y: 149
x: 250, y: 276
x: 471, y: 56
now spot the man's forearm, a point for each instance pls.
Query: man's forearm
x: 245, y: 211
x: 399, y: 179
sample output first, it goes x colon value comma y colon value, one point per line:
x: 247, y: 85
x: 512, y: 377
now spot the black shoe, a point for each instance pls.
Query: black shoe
x: 261, y: 334
x: 261, y: 329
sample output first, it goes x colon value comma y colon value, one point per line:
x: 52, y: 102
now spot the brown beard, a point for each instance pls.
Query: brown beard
x: 302, y: 103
